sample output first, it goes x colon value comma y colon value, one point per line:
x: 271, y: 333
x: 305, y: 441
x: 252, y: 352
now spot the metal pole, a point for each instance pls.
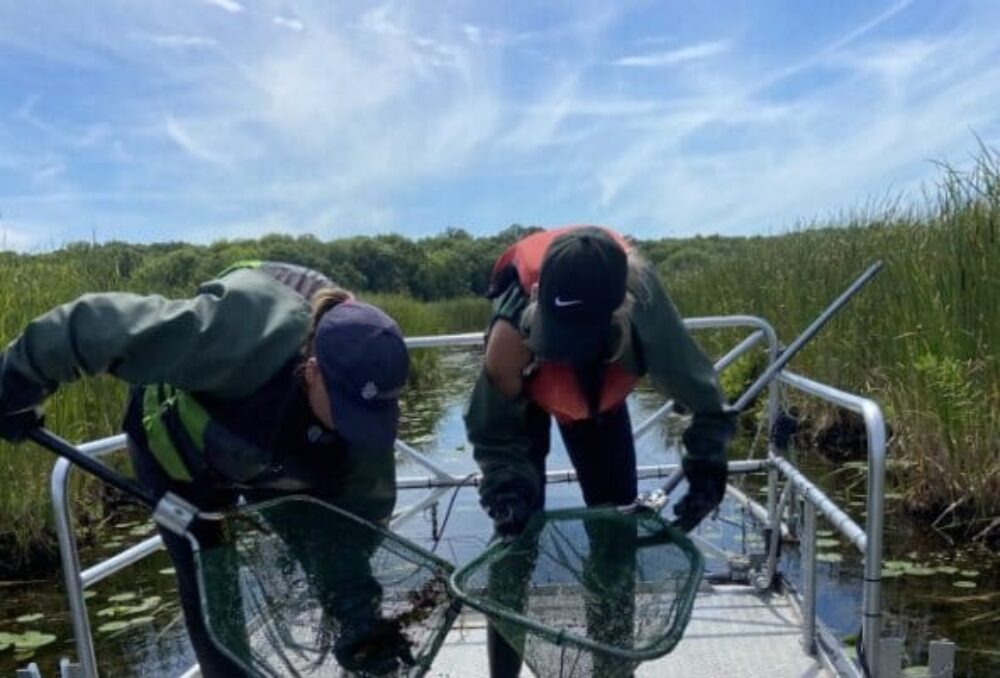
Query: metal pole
x: 71, y: 570
x: 54, y: 443
x: 772, y: 371
x: 809, y: 578
x: 793, y: 348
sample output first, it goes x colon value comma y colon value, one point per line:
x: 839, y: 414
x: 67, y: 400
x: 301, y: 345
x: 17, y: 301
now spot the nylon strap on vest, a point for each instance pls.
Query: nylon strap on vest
x: 175, y: 425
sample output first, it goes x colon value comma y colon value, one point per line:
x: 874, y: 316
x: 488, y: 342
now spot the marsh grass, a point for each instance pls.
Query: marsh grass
x: 921, y: 339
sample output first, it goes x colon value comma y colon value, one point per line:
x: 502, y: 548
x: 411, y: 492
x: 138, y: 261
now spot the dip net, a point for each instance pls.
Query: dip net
x: 296, y: 587
x: 587, y: 592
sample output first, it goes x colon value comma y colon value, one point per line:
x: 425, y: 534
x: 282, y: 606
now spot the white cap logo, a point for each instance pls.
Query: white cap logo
x: 369, y: 391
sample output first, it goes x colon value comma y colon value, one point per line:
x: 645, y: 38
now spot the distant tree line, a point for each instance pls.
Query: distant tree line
x: 444, y: 266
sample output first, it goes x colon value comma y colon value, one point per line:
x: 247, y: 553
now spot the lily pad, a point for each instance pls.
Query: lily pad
x: 6, y: 640
x: 824, y: 533
x: 969, y: 573
x: 142, y: 620
x: 947, y: 569
x: 964, y: 584
x: 32, y: 640
x: 921, y: 571
x: 113, y: 626
x: 897, y: 564
x: 890, y: 574
x: 168, y: 570
x: 87, y: 595
x: 917, y: 672
x: 146, y: 605
x: 829, y: 557
x: 827, y: 543
x: 121, y: 597
x: 28, y: 618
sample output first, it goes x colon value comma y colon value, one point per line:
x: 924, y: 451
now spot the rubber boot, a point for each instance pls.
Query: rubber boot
x: 504, y: 660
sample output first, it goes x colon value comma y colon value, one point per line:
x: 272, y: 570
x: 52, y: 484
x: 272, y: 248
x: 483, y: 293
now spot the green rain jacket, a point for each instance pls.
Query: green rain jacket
x: 498, y: 427
x: 238, y: 338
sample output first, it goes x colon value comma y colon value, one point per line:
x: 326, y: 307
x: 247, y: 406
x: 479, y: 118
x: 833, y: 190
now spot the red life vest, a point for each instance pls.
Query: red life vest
x: 554, y: 386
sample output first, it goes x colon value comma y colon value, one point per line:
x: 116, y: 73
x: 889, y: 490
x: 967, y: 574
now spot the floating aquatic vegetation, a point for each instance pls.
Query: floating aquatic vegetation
x: 827, y: 543
x: 921, y: 571
x: 121, y: 597
x: 969, y: 573
x: 87, y: 595
x: 829, y: 557
x: 28, y: 618
x: 147, y: 604
x: 168, y: 570
x: 888, y: 573
x: 112, y: 626
x: 962, y: 584
x: 825, y: 533
x: 27, y: 641
x: 947, y: 569
x: 917, y: 672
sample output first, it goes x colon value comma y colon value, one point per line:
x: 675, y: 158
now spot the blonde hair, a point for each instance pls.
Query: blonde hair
x: 322, y: 301
x: 637, y: 291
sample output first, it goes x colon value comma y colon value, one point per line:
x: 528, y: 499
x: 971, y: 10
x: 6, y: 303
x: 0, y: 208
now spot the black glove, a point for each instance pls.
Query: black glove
x: 510, y: 512
x: 14, y: 426
x: 706, y: 487
x: 373, y: 648
x: 19, y: 397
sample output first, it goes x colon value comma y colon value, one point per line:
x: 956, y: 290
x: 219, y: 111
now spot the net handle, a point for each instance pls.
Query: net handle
x: 658, y: 499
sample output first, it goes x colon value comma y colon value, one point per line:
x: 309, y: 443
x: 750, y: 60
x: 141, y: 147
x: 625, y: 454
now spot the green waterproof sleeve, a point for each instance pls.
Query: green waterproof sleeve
x: 227, y: 341
x: 368, y: 487
x: 679, y: 368
x: 498, y: 429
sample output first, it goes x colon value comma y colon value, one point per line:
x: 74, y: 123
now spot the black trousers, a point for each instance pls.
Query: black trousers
x: 212, y: 661
x: 602, y: 451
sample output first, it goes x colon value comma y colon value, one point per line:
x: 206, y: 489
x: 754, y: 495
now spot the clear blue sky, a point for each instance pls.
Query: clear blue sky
x: 206, y: 119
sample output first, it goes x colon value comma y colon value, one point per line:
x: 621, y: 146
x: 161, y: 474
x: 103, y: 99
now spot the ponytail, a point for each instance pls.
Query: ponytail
x: 322, y: 301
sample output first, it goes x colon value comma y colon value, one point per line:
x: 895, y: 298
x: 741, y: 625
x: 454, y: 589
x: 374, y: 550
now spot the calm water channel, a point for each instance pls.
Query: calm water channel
x: 931, y: 591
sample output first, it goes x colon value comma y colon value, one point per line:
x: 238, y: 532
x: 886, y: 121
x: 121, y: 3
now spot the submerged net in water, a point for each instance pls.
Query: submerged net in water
x: 587, y: 592
x: 296, y: 587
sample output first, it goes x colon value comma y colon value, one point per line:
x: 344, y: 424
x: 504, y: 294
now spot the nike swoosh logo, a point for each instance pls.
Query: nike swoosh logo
x: 563, y: 303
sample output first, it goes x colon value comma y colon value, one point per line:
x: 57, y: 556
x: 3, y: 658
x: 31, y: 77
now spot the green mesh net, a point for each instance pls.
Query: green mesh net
x: 295, y: 587
x: 587, y: 592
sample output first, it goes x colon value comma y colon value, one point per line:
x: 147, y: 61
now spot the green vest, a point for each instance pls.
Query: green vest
x: 182, y: 434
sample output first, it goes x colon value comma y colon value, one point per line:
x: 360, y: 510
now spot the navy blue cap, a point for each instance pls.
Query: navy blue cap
x: 364, y: 363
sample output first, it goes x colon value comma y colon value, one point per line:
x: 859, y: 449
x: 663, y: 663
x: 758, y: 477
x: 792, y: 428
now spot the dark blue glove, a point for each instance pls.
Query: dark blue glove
x: 705, y: 466
x: 373, y: 648
x: 19, y: 397
x: 510, y: 512
x: 706, y: 487
x: 14, y: 427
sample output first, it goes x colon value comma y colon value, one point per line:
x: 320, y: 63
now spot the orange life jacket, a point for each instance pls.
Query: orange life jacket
x: 554, y: 386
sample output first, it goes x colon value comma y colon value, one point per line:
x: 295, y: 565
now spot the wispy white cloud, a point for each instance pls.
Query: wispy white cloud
x: 230, y: 6
x: 698, y: 52
x: 289, y: 23
x: 179, y: 133
x: 179, y: 41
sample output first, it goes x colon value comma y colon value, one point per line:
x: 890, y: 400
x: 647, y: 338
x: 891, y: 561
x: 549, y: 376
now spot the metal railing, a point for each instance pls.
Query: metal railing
x: 77, y: 580
x: 869, y: 540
